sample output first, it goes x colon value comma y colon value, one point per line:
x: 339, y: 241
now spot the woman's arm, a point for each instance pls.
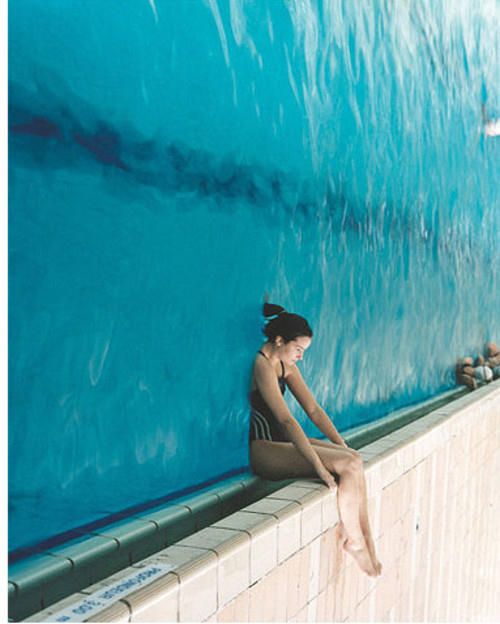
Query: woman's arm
x: 267, y: 383
x: 310, y: 406
x: 326, y: 426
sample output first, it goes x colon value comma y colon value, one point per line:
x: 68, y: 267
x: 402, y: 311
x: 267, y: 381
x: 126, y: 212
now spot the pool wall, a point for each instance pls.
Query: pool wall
x: 433, y: 511
x: 172, y: 163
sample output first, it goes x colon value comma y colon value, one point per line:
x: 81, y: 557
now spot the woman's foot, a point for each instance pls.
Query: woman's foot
x: 342, y: 533
x: 376, y: 563
x: 359, y: 551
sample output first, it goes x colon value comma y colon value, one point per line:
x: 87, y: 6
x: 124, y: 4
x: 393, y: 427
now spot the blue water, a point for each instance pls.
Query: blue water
x: 172, y: 162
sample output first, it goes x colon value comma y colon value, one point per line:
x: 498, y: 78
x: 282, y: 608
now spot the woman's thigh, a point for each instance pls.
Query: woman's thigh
x: 325, y: 443
x: 332, y: 445
x: 281, y: 460
x: 278, y: 460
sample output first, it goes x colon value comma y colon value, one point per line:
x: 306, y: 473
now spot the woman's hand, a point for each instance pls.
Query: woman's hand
x: 327, y: 478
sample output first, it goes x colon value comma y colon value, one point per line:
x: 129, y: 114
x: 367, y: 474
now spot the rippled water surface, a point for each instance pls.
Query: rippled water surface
x: 172, y: 162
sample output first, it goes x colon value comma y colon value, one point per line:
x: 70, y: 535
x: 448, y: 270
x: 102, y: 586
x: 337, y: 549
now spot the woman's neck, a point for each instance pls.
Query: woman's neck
x: 269, y: 350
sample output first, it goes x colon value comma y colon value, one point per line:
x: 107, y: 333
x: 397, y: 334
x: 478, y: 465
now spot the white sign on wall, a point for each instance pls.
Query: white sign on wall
x: 99, y: 600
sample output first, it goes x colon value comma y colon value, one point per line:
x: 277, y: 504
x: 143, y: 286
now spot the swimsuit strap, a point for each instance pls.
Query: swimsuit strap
x: 262, y: 353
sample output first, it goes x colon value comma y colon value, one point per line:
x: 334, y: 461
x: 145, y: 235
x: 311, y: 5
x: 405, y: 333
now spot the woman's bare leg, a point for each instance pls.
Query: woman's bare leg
x: 363, y: 507
x: 365, y: 524
x: 281, y: 460
x: 356, y: 543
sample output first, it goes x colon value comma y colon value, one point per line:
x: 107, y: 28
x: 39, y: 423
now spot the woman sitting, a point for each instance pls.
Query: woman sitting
x: 279, y: 448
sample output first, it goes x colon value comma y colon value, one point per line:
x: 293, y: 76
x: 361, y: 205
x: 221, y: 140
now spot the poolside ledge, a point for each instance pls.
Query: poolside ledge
x: 433, y: 507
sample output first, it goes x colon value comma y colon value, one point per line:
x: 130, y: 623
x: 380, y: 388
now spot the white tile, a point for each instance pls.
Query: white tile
x: 366, y: 455
x: 311, y: 502
x: 198, y: 591
x: 311, y: 520
x: 263, y: 553
x: 375, y: 448
x: 295, y: 493
x: 42, y: 616
x: 329, y: 511
x: 263, y: 532
x: 110, y: 580
x: 408, y: 458
x: 369, y: 448
x: 392, y: 441
x: 314, y: 569
x: 386, y: 444
x: 315, y: 484
x: 117, y: 612
x: 420, y: 450
x: 289, y: 531
x: 158, y: 602
x: 197, y: 572
x: 272, y: 506
x: 373, y: 478
x: 390, y: 469
x: 288, y: 513
x: 232, y: 548
x: 312, y: 608
x: 233, y: 572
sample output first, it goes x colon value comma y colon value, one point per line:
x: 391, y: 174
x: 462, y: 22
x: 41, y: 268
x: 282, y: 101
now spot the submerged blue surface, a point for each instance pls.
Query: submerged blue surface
x: 170, y: 163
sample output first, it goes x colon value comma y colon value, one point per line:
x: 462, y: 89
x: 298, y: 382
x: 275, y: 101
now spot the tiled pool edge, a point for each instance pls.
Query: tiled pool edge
x: 56, y: 572
x: 277, y: 559
x: 52, y: 575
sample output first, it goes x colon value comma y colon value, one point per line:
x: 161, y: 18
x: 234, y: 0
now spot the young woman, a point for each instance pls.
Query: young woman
x: 279, y: 448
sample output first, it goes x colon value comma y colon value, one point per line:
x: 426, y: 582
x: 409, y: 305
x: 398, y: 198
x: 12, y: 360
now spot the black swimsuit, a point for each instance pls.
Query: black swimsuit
x: 263, y: 423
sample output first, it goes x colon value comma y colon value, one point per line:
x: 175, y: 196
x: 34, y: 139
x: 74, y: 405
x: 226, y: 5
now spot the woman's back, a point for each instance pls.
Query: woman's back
x: 263, y: 423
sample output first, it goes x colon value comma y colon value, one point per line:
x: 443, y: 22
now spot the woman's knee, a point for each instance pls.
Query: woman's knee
x: 354, y: 453
x: 353, y: 464
x: 358, y: 458
x: 349, y: 463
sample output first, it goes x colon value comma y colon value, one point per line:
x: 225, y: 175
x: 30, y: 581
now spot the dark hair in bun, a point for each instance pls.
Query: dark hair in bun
x: 288, y: 326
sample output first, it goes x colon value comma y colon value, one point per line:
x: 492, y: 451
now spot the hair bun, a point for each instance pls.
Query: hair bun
x: 279, y: 322
x: 271, y: 309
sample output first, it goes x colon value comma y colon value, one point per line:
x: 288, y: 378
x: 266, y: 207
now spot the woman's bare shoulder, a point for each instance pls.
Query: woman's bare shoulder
x: 261, y: 364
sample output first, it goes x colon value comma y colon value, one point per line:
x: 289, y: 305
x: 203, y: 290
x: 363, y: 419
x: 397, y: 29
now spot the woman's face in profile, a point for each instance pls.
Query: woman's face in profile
x: 293, y: 351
